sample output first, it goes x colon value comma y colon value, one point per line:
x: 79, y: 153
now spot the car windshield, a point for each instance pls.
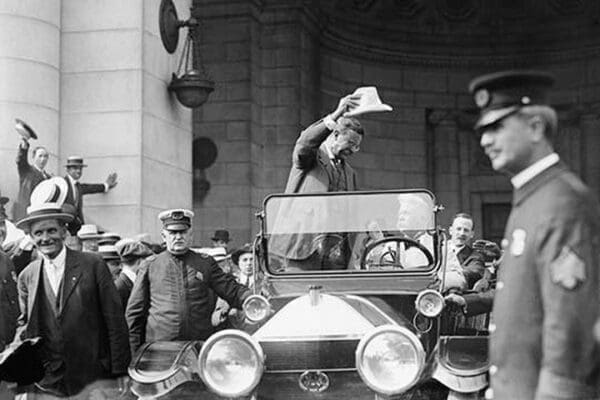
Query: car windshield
x: 370, y: 231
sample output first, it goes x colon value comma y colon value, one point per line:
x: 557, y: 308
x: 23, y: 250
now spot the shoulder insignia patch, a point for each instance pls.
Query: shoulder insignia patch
x: 517, y: 245
x: 567, y: 270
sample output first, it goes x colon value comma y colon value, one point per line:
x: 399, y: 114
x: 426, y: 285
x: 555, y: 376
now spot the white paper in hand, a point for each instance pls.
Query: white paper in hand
x: 369, y: 102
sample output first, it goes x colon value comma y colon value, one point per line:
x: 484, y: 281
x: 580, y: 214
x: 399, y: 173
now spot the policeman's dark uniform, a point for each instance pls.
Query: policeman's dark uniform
x: 171, y: 299
x: 547, y: 295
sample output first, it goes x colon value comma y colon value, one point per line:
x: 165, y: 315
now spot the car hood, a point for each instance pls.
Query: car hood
x: 322, y: 332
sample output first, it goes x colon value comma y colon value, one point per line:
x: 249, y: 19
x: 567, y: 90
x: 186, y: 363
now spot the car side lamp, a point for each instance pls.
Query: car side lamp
x: 430, y: 303
x: 256, y: 308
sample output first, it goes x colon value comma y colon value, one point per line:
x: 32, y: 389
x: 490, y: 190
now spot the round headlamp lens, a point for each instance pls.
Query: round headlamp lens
x: 256, y: 308
x: 390, y: 361
x: 232, y: 364
x: 430, y: 303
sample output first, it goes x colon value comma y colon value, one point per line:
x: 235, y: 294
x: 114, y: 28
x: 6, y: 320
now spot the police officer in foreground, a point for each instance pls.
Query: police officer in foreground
x: 546, y: 302
x: 171, y: 298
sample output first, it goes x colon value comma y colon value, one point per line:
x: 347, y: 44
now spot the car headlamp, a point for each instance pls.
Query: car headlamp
x: 231, y: 363
x: 430, y: 303
x: 390, y: 359
x: 256, y: 308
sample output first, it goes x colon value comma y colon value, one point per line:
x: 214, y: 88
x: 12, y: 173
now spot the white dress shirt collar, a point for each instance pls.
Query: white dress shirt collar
x: 55, y: 269
x: 533, y: 170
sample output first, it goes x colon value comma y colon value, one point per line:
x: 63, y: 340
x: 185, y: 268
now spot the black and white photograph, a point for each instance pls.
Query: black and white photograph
x: 300, y: 199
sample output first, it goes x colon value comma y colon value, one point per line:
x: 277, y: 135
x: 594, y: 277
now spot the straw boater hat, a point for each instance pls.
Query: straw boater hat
x: 47, y: 202
x: 88, y: 231
x: 109, y: 238
x: 108, y: 252
x: 75, y: 161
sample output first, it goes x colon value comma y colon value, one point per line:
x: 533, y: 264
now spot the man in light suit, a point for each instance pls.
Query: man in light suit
x: 68, y: 298
x: 319, y: 157
x: 77, y: 190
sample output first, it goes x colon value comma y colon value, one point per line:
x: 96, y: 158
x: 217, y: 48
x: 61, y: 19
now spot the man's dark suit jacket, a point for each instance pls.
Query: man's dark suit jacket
x: 9, y: 308
x: 312, y: 170
x: 472, y: 263
x: 124, y: 286
x: 29, y: 178
x: 92, y: 322
x: 77, y: 201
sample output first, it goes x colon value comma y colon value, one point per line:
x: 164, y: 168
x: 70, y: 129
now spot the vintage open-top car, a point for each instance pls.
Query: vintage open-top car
x: 348, y: 304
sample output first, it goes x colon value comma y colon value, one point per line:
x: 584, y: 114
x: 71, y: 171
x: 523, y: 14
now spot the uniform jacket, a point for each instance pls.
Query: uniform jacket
x: 312, y: 170
x: 124, y: 286
x: 472, y: 263
x: 29, y: 178
x: 90, y: 317
x: 171, y: 298
x: 84, y: 188
x: 9, y: 306
x: 547, y: 294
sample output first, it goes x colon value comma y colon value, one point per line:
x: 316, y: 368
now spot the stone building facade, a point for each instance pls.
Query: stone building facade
x: 90, y: 77
x: 280, y: 65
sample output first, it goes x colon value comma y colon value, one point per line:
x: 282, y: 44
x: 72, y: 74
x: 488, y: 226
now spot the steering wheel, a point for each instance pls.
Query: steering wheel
x: 393, y: 261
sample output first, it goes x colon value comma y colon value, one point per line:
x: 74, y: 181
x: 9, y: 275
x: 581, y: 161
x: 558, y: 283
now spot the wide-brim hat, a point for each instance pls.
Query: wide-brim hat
x: 235, y: 256
x: 21, y: 362
x: 75, y: 161
x: 48, y: 202
x: 221, y: 234
x: 24, y: 130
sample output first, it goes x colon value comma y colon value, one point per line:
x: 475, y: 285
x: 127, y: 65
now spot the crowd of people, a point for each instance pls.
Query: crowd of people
x: 95, y: 298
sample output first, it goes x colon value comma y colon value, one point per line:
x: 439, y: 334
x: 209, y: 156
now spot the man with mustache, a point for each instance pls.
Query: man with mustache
x: 172, y: 295
x: 542, y: 345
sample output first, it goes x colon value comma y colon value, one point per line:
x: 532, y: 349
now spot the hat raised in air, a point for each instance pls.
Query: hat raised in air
x: 501, y: 94
x: 75, y: 161
x: 178, y: 219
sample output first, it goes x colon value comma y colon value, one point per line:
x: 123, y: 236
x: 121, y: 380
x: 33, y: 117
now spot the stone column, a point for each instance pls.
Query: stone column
x: 29, y: 82
x: 117, y: 113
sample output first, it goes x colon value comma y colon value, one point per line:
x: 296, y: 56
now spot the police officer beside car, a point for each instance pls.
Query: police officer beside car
x: 546, y: 301
x: 171, y: 298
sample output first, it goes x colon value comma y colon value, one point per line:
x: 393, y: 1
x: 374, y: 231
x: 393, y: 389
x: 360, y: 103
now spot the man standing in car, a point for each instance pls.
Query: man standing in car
x: 542, y: 345
x: 319, y: 157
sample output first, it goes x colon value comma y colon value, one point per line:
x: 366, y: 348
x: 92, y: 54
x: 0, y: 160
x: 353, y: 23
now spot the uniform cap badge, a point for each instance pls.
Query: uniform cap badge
x: 517, y: 245
x: 482, y: 98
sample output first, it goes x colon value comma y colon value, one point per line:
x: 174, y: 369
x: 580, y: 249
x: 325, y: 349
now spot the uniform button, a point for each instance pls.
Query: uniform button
x: 492, y: 327
x: 493, y: 370
x: 489, y: 394
x: 499, y: 285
